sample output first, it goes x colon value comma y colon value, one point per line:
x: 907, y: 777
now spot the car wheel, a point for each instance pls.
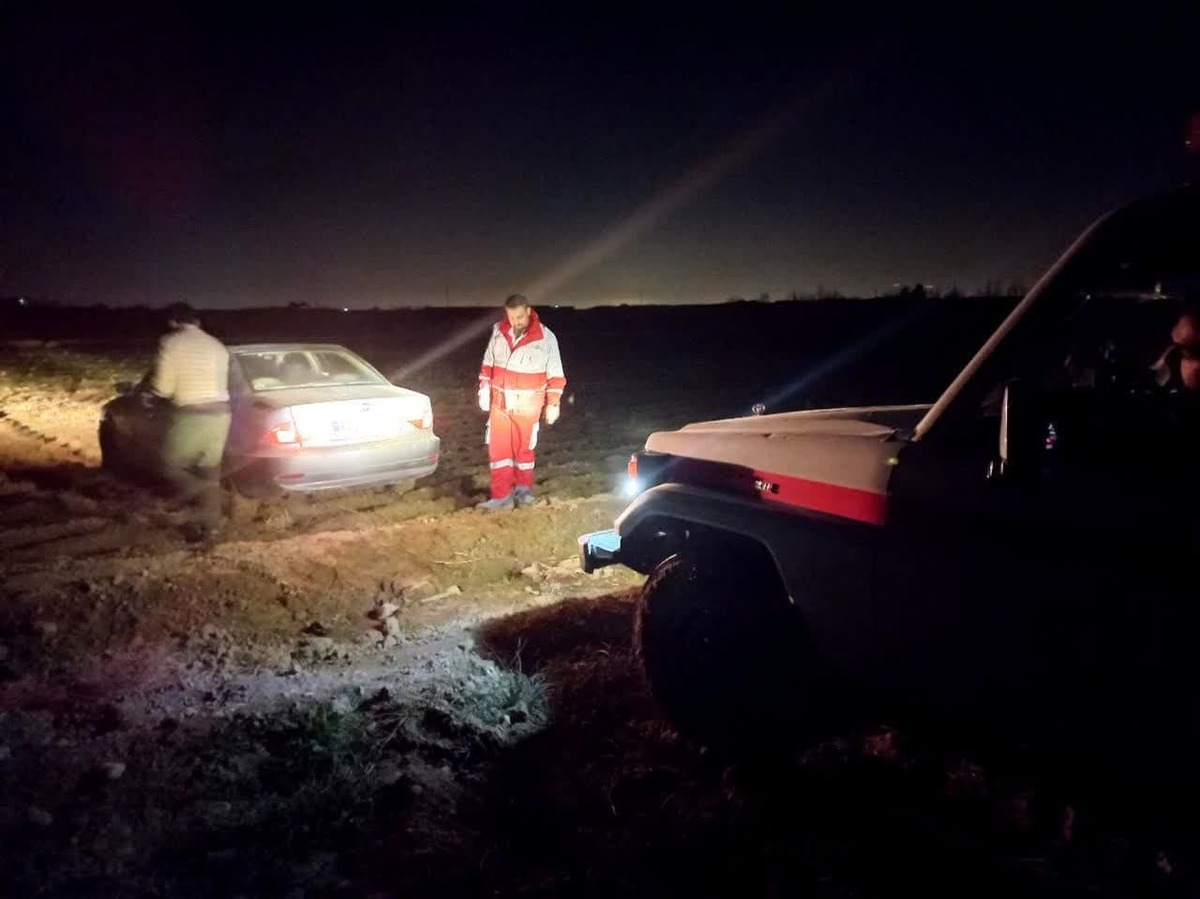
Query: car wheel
x: 238, y: 509
x: 399, y: 488
x: 726, y: 652
x: 110, y: 454
x: 249, y: 488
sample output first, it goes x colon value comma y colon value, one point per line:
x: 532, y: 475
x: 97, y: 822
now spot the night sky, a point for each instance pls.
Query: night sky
x: 656, y: 157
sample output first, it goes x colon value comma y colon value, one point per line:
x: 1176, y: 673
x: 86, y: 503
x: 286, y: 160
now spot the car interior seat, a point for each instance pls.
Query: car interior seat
x: 295, y: 369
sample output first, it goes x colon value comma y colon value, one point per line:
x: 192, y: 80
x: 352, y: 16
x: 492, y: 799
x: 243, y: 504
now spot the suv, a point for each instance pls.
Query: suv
x: 1018, y: 556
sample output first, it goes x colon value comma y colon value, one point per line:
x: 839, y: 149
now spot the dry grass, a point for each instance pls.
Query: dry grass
x: 261, y: 802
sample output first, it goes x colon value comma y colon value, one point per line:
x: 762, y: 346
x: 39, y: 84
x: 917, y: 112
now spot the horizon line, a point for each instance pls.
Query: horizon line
x: 795, y: 297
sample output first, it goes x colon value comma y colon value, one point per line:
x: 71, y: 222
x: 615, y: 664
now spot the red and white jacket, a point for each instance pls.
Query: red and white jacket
x: 526, y: 373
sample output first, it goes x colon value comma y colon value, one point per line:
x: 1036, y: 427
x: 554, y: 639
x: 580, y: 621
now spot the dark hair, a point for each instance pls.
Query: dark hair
x: 182, y: 313
x: 515, y: 301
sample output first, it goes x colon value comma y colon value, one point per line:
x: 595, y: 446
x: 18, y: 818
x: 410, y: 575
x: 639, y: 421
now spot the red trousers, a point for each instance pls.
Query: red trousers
x: 511, y: 439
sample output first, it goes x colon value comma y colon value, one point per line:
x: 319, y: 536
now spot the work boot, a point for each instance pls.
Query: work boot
x: 523, y: 496
x: 500, y: 504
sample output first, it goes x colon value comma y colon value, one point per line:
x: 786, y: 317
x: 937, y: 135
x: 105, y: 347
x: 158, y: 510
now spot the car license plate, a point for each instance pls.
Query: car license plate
x: 361, y: 425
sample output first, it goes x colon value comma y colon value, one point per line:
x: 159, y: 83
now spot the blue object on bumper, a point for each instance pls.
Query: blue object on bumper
x: 599, y: 549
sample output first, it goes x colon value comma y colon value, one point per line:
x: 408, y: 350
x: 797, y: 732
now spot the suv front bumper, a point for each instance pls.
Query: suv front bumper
x: 599, y: 549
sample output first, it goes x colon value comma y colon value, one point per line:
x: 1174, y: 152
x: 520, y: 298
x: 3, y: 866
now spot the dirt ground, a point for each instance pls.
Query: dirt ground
x: 389, y: 693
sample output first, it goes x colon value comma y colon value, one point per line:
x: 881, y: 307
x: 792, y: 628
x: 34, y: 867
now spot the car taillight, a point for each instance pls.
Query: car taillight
x: 425, y: 422
x: 284, y: 434
x: 632, y: 468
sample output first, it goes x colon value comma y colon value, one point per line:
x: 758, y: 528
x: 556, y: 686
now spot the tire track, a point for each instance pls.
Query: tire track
x: 70, y: 448
x: 63, y: 507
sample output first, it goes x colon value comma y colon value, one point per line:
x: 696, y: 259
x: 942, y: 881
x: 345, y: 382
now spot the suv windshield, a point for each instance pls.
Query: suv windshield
x: 290, y: 368
x: 1107, y: 320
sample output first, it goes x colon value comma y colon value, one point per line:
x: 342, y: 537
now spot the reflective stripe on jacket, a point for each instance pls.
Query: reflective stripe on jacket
x: 526, y: 373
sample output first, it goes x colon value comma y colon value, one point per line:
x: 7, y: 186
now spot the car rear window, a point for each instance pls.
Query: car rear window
x: 292, y: 368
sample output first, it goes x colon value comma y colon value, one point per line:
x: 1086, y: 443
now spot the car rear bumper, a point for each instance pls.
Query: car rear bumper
x: 599, y: 549
x: 328, y: 468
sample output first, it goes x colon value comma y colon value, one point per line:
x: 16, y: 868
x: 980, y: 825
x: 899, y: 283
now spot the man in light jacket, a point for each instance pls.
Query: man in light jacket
x: 192, y: 372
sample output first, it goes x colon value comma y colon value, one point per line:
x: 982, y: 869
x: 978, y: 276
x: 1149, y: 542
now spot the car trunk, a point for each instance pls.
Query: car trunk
x: 345, y: 415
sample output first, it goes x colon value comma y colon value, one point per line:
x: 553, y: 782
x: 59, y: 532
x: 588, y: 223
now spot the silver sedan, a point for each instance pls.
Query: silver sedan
x: 306, y: 417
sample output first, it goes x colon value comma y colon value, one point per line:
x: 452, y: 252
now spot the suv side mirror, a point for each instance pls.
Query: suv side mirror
x: 1028, y: 432
x: 1071, y: 433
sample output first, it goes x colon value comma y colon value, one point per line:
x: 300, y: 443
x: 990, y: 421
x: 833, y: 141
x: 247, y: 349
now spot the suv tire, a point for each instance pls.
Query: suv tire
x: 725, y: 650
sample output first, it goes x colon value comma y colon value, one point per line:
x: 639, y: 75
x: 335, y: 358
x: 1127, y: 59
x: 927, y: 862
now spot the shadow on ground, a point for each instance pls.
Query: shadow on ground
x: 537, y: 765
x: 608, y: 800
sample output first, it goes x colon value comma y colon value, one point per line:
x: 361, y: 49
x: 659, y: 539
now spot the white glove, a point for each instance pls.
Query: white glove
x: 552, y: 412
x: 485, y: 398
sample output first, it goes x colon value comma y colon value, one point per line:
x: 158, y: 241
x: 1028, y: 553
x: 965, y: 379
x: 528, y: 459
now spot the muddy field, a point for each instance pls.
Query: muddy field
x: 388, y: 693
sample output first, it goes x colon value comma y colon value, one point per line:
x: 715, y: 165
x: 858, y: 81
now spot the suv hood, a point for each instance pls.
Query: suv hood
x: 851, y: 448
x: 854, y: 421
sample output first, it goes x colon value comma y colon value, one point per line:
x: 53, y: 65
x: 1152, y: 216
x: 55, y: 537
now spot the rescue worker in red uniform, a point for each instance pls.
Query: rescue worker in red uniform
x: 521, y: 384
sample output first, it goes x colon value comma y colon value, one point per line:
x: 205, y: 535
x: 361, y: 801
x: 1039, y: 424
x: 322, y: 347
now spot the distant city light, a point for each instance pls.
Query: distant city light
x: 21, y: 301
x: 345, y: 308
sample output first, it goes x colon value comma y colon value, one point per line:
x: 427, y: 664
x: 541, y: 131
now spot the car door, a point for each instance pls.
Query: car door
x: 246, y: 427
x: 143, y: 420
